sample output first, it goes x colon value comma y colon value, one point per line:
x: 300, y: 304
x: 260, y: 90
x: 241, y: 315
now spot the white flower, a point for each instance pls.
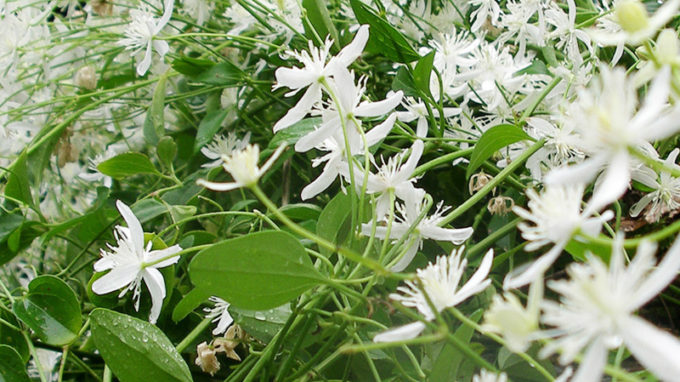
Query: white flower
x: 394, y: 176
x: 242, y: 165
x: 517, y: 325
x: 220, y: 314
x: 566, y: 32
x: 223, y: 146
x: 556, y: 216
x: 200, y: 10
x: 666, y: 194
x: 317, y: 67
x: 487, y: 376
x: 418, y: 110
x: 140, y: 33
x: 441, y: 283
x: 486, y: 10
x: 636, y: 25
x: 597, y: 312
x: 131, y: 262
x: 427, y: 228
x: 606, y: 120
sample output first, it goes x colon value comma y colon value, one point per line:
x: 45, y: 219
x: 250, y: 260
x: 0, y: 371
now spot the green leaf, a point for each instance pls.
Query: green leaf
x: 578, y: 250
x: 423, y: 72
x: 493, y: 140
x: 333, y: 218
x: 17, y: 184
x: 13, y: 338
x: 447, y: 363
x: 19, y: 239
x: 292, y: 134
x: 12, y: 367
x: 127, y: 164
x: 147, y: 209
x: 318, y: 15
x: 8, y: 223
x: 222, y: 74
x: 404, y: 81
x: 209, y: 126
x: 302, y: 211
x: 190, y: 66
x: 135, y: 350
x: 51, y: 309
x: 166, y: 151
x: 154, y: 124
x: 188, y: 303
x: 384, y: 38
x: 261, y: 325
x: 258, y: 271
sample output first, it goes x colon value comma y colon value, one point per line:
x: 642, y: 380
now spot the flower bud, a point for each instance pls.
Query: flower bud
x: 86, y: 77
x: 631, y: 15
x: 667, y: 47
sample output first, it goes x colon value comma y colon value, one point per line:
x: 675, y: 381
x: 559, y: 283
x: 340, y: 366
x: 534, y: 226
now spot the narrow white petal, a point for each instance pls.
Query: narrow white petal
x: 136, y: 231
x: 218, y: 186
x: 161, y: 253
x: 656, y: 349
x: 144, y: 65
x: 526, y: 275
x: 156, y: 285
x: 592, y: 364
x: 379, y: 132
x: 401, y: 333
x: 376, y: 109
x: 167, y: 13
x: 454, y: 235
x: 407, y: 258
x: 294, y: 78
x: 304, y: 106
x: 577, y: 174
x: 613, y: 184
x: 119, y: 277
x: 477, y: 282
x: 319, y: 184
x: 663, y: 275
x: 352, y: 51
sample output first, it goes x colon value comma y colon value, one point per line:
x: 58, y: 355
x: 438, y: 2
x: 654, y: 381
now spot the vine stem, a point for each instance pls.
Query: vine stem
x: 192, y: 335
x: 492, y: 184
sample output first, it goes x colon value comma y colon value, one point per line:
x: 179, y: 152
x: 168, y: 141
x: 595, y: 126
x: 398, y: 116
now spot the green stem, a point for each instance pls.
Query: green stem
x: 493, y: 237
x: 441, y: 160
x: 192, y: 335
x: 527, y: 113
x: 492, y: 184
x: 656, y: 165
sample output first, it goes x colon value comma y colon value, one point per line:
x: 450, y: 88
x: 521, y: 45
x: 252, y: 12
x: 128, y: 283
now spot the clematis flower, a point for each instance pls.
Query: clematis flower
x: 636, y: 25
x: 223, y: 146
x: 317, y: 66
x: 597, y: 307
x: 666, y: 195
x: 242, y: 165
x: 140, y: 33
x: 605, y: 118
x: 395, y: 176
x: 427, y: 228
x: 441, y: 283
x: 556, y: 216
x: 131, y: 262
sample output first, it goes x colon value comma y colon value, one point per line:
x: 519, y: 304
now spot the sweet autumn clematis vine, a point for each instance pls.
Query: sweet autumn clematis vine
x: 131, y: 262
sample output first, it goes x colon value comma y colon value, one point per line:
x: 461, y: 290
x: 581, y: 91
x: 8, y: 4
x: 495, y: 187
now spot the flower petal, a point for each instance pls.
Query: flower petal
x: 136, y: 231
x: 119, y: 277
x: 401, y: 333
x: 657, y: 350
x: 156, y: 285
x: 592, y: 364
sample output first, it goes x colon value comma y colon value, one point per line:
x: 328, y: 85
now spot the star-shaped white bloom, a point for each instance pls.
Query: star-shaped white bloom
x: 606, y: 119
x: 666, y: 194
x: 223, y: 146
x: 427, y: 228
x: 242, y: 165
x: 596, y: 312
x: 636, y: 25
x: 556, y: 215
x: 440, y: 282
x: 140, y: 33
x: 317, y: 67
x: 131, y: 262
